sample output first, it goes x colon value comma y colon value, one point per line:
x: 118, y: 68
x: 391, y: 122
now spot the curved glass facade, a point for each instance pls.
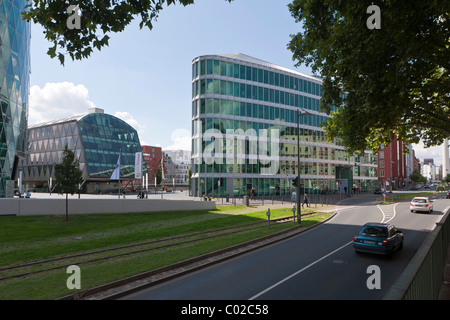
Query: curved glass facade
x: 239, y: 104
x: 97, y: 139
x: 14, y: 88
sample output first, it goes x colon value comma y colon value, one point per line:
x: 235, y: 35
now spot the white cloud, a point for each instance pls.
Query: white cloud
x: 434, y: 153
x: 57, y: 101
x: 128, y: 118
x: 181, y: 140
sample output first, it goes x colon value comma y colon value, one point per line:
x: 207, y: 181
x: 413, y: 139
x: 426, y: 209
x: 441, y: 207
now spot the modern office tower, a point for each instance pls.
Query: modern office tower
x: 14, y: 90
x: 244, y: 132
x: 96, y: 138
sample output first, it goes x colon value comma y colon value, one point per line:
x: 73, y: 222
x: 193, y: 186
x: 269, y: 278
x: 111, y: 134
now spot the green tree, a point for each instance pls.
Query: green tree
x: 158, y: 175
x: 415, y: 176
x: 68, y: 175
x: 98, y: 19
x: 389, y: 81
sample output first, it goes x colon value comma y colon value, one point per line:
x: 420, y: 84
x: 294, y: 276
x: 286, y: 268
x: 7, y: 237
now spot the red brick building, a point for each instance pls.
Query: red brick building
x: 152, y: 158
x: 392, y: 171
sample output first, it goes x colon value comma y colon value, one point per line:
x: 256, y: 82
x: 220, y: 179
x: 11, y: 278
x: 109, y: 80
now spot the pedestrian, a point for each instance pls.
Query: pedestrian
x: 28, y: 194
x: 306, y: 200
x: 253, y: 193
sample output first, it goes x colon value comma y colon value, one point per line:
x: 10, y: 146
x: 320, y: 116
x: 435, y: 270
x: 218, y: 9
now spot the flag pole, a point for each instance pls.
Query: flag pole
x: 120, y: 155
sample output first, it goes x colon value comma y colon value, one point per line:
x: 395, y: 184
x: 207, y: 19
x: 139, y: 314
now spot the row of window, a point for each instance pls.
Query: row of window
x: 270, y: 186
x: 284, y: 168
x: 243, y: 72
x: 252, y: 110
x: 247, y: 91
x: 246, y: 148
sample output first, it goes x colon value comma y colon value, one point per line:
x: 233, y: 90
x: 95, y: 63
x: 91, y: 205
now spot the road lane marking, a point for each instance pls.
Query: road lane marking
x: 389, y: 215
x: 299, y: 271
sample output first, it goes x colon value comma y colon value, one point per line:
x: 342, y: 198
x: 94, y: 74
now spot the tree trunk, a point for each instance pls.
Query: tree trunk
x: 67, y: 207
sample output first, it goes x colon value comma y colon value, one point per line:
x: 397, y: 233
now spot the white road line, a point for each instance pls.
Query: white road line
x: 384, y: 216
x: 298, y: 272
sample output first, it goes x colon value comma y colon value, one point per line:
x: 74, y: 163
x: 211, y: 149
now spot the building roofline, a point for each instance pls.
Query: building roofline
x: 245, y: 58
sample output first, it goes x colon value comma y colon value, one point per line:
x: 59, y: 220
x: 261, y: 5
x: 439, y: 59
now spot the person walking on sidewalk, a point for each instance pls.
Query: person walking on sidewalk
x: 306, y: 200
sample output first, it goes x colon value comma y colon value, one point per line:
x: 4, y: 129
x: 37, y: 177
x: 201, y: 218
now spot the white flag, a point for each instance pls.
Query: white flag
x: 116, y: 173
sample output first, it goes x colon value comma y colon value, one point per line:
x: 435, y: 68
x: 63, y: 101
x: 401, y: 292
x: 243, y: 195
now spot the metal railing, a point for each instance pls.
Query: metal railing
x: 423, y: 276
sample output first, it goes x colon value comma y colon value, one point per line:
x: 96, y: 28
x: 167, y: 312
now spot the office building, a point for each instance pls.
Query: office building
x: 14, y: 90
x: 392, y: 166
x: 244, y: 132
x: 96, y: 138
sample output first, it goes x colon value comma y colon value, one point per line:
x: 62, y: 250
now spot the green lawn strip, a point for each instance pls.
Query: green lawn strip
x: 390, y: 198
x: 52, y: 284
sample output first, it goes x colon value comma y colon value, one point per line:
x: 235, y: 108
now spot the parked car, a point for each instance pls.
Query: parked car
x: 378, y: 238
x: 378, y: 191
x: 421, y: 204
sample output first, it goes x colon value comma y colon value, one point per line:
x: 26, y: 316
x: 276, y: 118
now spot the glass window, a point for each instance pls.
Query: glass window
x: 236, y: 89
x: 242, y: 72
x: 236, y: 71
x: 248, y: 73
x: 223, y: 68
x: 229, y: 70
x: 254, y: 74
x: 242, y: 90
x: 209, y: 67
x: 248, y: 91
x: 217, y: 67
x: 266, y: 76
x: 229, y: 88
x: 202, y: 67
x: 223, y: 87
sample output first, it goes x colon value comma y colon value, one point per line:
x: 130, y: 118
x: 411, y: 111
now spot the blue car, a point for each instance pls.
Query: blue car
x: 379, y: 238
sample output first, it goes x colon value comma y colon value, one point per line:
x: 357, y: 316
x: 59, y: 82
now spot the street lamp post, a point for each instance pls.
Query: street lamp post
x: 302, y: 113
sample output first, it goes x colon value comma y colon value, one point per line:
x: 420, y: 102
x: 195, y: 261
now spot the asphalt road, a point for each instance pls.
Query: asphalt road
x: 317, y: 264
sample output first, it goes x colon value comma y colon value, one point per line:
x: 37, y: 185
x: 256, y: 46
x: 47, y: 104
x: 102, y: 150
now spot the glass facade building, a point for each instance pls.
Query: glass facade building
x: 244, y: 122
x: 96, y: 138
x: 14, y: 89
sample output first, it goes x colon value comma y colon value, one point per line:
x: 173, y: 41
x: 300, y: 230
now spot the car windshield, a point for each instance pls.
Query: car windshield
x: 420, y: 200
x: 373, y: 231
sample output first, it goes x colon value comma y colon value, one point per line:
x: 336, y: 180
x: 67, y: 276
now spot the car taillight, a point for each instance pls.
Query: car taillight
x: 385, y: 243
x: 354, y: 239
x: 426, y: 205
x: 411, y: 204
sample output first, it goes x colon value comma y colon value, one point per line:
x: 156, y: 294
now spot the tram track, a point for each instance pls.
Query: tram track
x: 117, y: 289
x: 160, y: 244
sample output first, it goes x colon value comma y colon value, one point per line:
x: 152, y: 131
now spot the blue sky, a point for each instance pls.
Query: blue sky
x: 144, y: 77
x: 148, y: 73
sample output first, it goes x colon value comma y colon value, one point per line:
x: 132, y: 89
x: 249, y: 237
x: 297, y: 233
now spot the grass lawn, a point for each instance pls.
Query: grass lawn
x: 26, y: 239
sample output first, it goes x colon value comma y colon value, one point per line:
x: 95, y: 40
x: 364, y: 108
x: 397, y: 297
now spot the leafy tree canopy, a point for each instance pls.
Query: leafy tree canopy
x: 67, y: 173
x: 393, y: 80
x: 98, y: 18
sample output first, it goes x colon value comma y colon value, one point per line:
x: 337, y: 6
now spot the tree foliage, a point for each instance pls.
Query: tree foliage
x: 415, y: 176
x: 68, y: 175
x: 389, y: 81
x: 98, y: 19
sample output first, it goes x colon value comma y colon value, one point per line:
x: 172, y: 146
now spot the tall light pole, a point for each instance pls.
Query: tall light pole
x: 300, y: 112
